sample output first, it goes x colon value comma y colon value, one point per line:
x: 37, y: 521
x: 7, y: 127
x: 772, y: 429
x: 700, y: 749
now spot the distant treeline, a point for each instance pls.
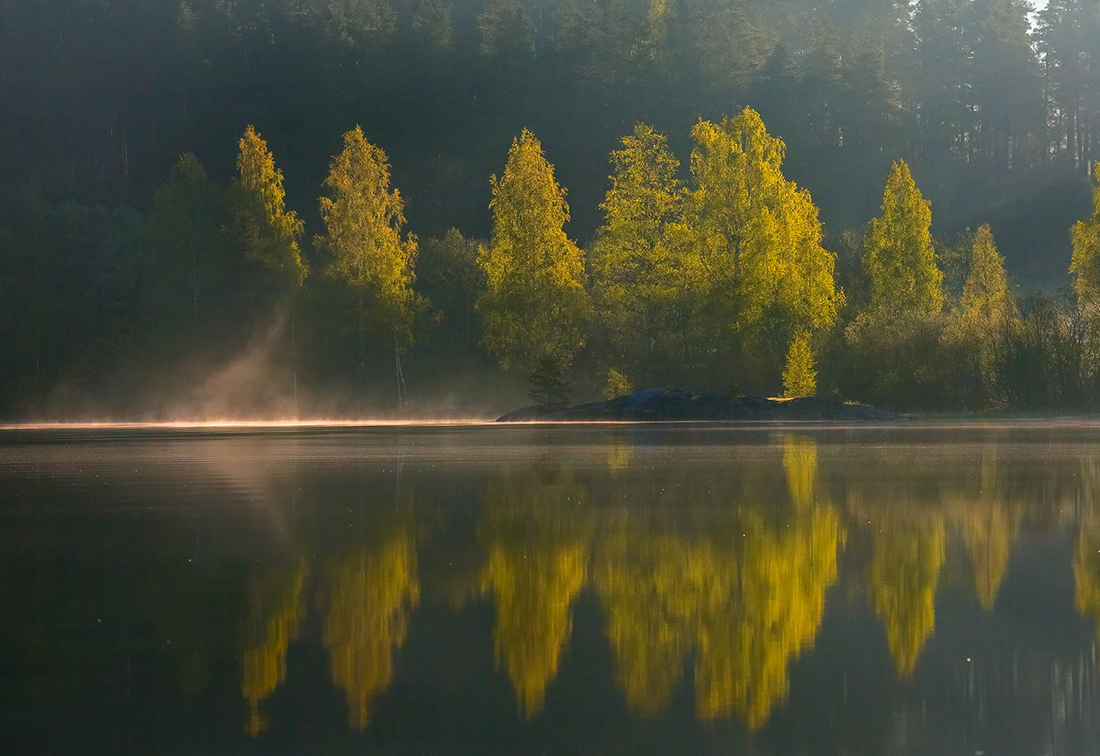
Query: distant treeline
x: 997, y: 116
x: 207, y: 304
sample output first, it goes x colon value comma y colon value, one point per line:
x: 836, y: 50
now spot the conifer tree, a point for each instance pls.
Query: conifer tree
x: 900, y: 260
x: 534, y: 306
x: 364, y: 246
x: 637, y: 264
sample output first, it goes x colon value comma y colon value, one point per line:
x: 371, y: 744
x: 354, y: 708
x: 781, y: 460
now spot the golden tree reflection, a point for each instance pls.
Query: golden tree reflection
x: 749, y: 630
x: 905, y: 568
x: 371, y: 595
x: 1086, y: 573
x: 537, y: 545
x: 275, y: 612
x: 743, y: 592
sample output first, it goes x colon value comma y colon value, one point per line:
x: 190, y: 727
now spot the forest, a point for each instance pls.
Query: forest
x: 216, y: 208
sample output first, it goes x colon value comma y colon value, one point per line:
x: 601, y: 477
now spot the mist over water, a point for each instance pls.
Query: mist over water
x: 646, y: 589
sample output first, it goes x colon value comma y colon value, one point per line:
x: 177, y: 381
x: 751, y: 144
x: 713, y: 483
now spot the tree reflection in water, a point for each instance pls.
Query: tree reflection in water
x: 536, y: 534
x: 371, y: 594
x: 275, y: 613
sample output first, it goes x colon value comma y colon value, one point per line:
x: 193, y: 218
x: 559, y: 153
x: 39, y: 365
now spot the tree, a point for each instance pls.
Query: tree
x: 364, y: 247
x: 799, y: 377
x: 900, y: 260
x: 987, y: 310
x: 758, y: 262
x: 267, y: 230
x: 183, y: 223
x: 534, y: 306
x: 638, y: 266
x: 1086, y: 254
x: 506, y: 30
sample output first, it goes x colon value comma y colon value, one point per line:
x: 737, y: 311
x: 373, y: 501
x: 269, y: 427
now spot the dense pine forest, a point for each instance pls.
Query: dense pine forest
x: 221, y: 208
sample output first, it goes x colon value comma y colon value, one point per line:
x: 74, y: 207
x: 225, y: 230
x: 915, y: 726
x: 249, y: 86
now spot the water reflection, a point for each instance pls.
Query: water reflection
x: 371, y: 593
x: 275, y: 612
x: 722, y: 583
x: 536, y: 535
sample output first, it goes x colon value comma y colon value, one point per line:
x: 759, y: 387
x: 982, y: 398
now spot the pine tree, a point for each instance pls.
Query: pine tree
x: 799, y: 377
x: 534, y: 306
x: 900, y: 260
x: 364, y: 247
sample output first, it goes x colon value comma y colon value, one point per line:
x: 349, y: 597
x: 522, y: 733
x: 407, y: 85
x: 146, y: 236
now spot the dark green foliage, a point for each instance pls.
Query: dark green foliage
x: 549, y: 390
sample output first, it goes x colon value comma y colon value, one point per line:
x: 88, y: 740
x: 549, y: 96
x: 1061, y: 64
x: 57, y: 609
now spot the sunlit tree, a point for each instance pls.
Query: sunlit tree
x: 900, y: 260
x: 266, y: 229
x: 760, y: 264
x: 638, y: 270
x: 534, y: 306
x: 363, y: 246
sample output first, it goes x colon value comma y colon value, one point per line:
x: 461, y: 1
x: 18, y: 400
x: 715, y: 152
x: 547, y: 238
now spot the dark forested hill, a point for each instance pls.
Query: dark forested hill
x: 996, y: 109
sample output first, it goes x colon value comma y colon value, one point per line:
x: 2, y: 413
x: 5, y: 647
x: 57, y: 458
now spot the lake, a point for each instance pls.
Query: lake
x: 619, y: 589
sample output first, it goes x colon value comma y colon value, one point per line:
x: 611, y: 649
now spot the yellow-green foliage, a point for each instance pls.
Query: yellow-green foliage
x: 904, y: 572
x: 638, y: 275
x: 363, y: 243
x: 617, y: 385
x: 746, y: 607
x: 759, y: 258
x: 987, y: 311
x: 370, y: 596
x: 535, y: 305
x: 276, y: 610
x: 269, y: 231
x: 1086, y: 254
x: 900, y: 259
x: 799, y: 376
x: 537, y: 539
x: 1086, y: 573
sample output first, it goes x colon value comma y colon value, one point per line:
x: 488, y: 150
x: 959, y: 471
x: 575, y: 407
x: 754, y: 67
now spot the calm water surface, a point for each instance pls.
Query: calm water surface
x: 569, y: 590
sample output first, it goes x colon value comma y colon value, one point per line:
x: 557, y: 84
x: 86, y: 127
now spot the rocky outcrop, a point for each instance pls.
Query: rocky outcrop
x: 677, y: 404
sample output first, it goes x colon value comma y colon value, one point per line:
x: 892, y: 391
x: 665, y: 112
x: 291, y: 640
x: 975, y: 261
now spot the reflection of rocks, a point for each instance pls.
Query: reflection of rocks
x: 678, y: 404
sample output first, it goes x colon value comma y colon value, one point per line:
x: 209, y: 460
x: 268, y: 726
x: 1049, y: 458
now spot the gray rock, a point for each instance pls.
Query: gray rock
x: 657, y: 404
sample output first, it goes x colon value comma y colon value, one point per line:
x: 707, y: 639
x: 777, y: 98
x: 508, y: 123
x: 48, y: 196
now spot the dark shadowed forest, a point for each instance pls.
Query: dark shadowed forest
x: 219, y: 208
